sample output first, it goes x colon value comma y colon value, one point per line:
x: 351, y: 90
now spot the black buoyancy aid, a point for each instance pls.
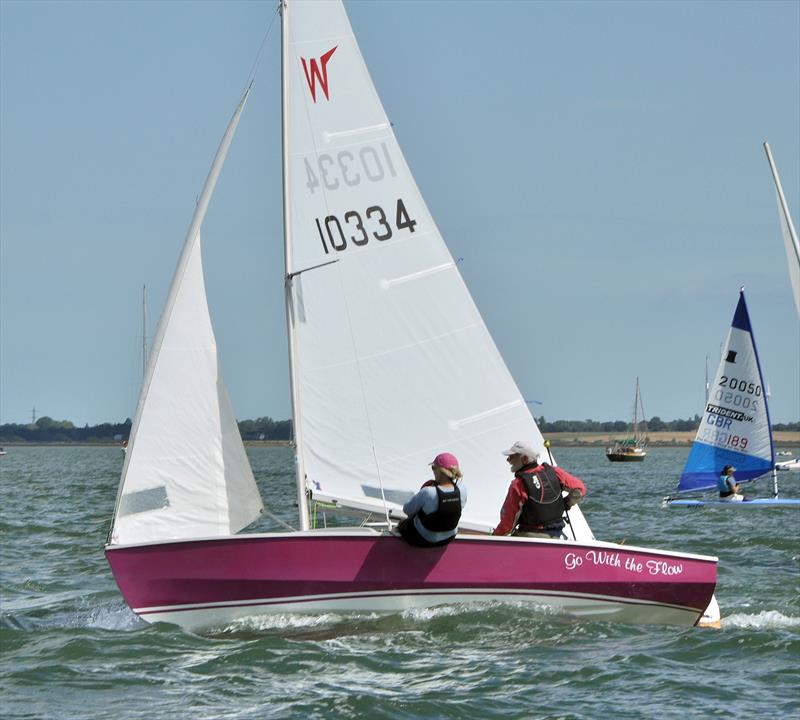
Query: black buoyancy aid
x: 544, y: 506
x: 446, y: 515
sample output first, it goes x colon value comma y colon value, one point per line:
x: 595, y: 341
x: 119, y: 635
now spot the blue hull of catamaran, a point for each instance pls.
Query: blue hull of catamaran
x: 755, y: 502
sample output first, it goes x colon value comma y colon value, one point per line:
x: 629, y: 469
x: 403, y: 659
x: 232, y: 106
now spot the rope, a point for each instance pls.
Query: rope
x: 280, y: 522
x: 254, y: 68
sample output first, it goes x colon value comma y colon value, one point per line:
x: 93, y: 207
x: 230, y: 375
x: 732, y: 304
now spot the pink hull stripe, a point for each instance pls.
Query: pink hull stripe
x: 465, y: 593
x: 313, y: 567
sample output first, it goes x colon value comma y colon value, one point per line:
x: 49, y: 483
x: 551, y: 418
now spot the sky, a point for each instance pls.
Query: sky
x: 597, y: 166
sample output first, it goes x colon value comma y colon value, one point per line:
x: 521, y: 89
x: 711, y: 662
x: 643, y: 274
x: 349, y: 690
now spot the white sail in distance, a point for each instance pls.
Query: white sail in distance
x: 186, y: 473
x: 393, y: 361
x: 787, y: 229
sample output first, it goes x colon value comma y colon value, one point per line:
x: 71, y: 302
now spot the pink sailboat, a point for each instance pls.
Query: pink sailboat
x: 390, y: 364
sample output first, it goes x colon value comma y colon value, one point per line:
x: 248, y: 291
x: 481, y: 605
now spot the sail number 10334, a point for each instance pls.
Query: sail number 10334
x: 357, y: 229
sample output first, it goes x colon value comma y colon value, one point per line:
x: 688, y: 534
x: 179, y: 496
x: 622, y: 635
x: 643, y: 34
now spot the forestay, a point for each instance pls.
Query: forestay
x: 735, y: 428
x: 393, y: 361
x: 186, y: 474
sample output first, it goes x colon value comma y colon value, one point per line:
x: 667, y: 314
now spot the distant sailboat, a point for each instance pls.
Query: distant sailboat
x: 735, y: 429
x: 633, y: 448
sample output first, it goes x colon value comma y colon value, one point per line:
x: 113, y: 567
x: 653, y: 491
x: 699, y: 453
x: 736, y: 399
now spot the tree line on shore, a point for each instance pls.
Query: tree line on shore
x: 47, y: 430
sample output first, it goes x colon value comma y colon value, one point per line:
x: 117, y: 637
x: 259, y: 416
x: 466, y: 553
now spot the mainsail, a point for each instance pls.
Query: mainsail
x: 789, y: 235
x: 186, y: 473
x: 393, y: 361
x: 735, y: 429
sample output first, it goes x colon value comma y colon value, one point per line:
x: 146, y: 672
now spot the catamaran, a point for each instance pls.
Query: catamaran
x: 735, y: 429
x: 373, y: 297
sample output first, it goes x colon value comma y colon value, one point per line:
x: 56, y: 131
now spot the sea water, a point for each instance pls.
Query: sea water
x: 71, y: 648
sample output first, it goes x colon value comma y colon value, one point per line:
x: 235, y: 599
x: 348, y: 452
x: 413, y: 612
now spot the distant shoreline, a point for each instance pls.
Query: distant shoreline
x: 247, y: 443
x: 666, y: 438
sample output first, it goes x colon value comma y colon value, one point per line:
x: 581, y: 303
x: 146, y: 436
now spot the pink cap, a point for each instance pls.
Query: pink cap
x: 447, y: 461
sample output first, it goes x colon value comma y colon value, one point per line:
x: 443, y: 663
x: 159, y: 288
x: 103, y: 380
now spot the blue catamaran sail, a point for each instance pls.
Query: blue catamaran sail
x: 735, y: 429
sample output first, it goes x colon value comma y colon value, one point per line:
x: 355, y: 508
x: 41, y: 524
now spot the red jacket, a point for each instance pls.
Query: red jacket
x: 517, y: 496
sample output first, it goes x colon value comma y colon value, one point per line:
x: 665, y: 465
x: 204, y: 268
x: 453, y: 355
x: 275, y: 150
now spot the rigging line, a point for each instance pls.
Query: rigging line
x: 292, y: 275
x: 254, y: 68
x: 283, y: 523
x: 641, y: 406
x: 364, y: 401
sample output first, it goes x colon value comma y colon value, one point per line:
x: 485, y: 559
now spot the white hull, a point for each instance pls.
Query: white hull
x: 584, y: 607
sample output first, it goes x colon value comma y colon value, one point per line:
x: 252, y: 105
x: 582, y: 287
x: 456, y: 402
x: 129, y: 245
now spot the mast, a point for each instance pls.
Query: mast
x: 641, y: 407
x: 792, y: 244
x: 635, y: 414
x: 778, y: 186
x: 144, y: 331
x: 300, y: 474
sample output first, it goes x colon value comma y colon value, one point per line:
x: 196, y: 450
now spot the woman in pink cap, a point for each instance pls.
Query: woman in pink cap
x: 432, y: 515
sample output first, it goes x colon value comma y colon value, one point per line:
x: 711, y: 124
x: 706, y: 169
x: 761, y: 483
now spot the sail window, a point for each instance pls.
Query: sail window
x: 400, y: 497
x: 143, y: 501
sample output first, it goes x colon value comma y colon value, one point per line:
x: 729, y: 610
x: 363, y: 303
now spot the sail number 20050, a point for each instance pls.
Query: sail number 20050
x: 359, y: 228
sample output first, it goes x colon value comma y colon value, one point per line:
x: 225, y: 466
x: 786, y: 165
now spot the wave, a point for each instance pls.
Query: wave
x: 117, y: 616
x: 290, y: 621
x: 765, y: 620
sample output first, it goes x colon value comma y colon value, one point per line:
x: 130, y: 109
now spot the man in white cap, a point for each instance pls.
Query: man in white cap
x: 534, y: 506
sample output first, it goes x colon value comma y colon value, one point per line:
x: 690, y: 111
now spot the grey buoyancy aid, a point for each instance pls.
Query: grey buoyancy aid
x: 725, y: 489
x: 545, y: 506
x: 446, y: 515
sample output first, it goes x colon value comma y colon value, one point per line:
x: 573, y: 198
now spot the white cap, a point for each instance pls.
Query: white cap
x: 522, y: 448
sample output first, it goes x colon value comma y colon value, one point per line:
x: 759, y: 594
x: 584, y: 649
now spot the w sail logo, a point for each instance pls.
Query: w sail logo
x: 316, y: 75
